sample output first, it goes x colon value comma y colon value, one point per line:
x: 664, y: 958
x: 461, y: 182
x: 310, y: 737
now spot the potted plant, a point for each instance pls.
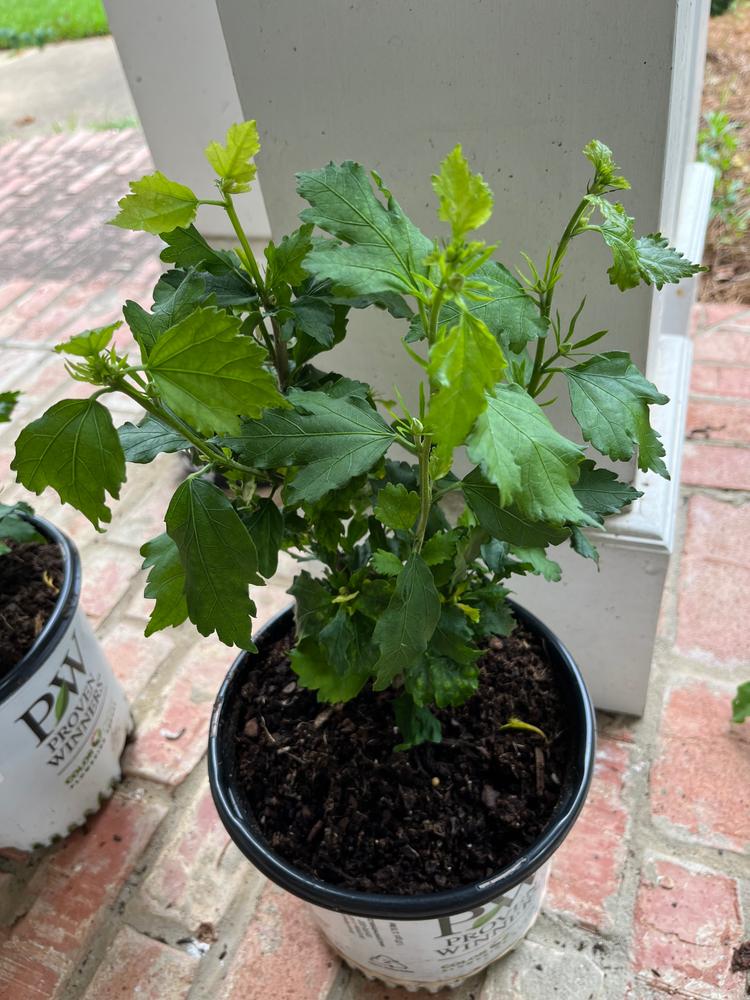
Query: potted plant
x: 63, y: 716
x: 407, y: 750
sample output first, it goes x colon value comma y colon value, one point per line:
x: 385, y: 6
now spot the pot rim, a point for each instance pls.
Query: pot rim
x: 245, y: 833
x: 62, y: 614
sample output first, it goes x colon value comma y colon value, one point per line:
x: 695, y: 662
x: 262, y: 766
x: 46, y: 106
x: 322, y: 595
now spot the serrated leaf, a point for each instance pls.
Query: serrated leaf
x: 313, y: 603
x: 89, y: 343
x: 165, y: 583
x: 285, y: 259
x: 336, y: 640
x: 606, y: 170
x: 8, y: 401
x: 440, y: 547
x: 507, y: 523
x: 406, y: 627
x: 156, y: 205
x: 14, y: 527
x: 397, y: 507
x: 600, y: 492
x: 610, y: 399
x: 266, y: 527
x: 142, y: 442
x: 741, y: 703
x: 316, y: 318
x: 384, y: 562
x: 416, y: 724
x: 384, y: 245
x: 617, y: 232
x: 538, y: 563
x: 465, y: 199
x: 209, y: 374
x: 147, y: 327
x: 582, y: 545
x: 528, y: 460
x: 74, y: 448
x: 186, y: 248
x: 508, y: 312
x: 331, y: 440
x: 233, y: 162
x: 224, y: 288
x: 314, y: 672
x: 464, y: 364
x: 447, y: 673
x: 660, y: 264
x: 219, y: 561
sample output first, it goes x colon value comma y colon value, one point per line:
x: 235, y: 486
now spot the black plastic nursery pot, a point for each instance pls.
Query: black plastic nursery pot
x: 477, y: 901
x: 63, y: 720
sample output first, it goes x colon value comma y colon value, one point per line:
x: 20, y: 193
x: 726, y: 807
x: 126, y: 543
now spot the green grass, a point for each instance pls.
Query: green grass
x: 35, y: 22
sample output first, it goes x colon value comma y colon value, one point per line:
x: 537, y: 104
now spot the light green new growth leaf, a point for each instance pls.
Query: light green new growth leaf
x: 332, y: 440
x: 660, y: 264
x: 384, y: 245
x: 606, y: 169
x: 617, y: 232
x: 609, y: 398
x: 741, y: 703
x: 233, y: 161
x: 141, y: 443
x: 407, y: 625
x: 465, y: 363
x: 285, y: 260
x: 397, y: 507
x: 386, y: 563
x: 74, y: 448
x: 165, y: 583
x: 465, y: 199
x: 506, y: 523
x: 156, y: 205
x: 209, y: 374
x: 8, y: 401
x: 219, y: 561
x: 600, y: 492
x: 528, y: 460
x: 89, y: 343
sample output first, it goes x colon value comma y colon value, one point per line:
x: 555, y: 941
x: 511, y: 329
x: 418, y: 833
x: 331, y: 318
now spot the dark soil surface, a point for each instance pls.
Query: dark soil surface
x: 333, y: 798
x: 31, y: 575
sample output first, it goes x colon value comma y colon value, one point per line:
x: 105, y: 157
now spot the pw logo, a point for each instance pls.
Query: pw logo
x: 44, y: 715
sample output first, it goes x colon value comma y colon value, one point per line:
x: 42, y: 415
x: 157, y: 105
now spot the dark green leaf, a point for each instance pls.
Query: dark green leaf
x: 219, y: 560
x: 142, y: 442
x: 582, y: 545
x: 538, y: 563
x: 397, y: 507
x: 165, y: 584
x: 8, y: 401
x: 74, y: 448
x: 186, y: 248
x: 316, y: 318
x: 226, y: 289
x: 610, y: 399
x: 406, y: 627
x: 156, y: 205
x: 600, y: 492
x: 314, y: 672
x: 285, y: 260
x: 507, y: 523
x: 661, y: 264
x: 416, y: 725
x: 171, y: 308
x: 14, y: 527
x: 337, y: 640
x: 313, y: 604
x: 266, y: 526
x: 741, y: 703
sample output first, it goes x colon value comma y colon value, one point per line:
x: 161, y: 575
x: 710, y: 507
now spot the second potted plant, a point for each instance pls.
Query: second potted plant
x: 407, y: 751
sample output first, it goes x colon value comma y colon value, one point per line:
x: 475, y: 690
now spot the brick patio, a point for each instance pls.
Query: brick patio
x: 151, y: 900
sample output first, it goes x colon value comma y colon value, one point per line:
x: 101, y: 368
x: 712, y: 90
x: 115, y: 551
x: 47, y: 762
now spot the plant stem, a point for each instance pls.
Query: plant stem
x: 425, y: 491
x: 245, y: 244
x: 437, y: 303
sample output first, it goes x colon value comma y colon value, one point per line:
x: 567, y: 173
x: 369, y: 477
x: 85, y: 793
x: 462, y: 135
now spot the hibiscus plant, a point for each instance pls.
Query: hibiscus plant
x: 291, y: 456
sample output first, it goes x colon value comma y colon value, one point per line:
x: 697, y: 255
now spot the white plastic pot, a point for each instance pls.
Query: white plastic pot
x: 64, y: 720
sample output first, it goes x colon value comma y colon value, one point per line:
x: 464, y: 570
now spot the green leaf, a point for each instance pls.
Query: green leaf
x: 337, y: 639
x: 266, y: 527
x: 397, y: 507
x: 285, y: 260
x: 8, y: 401
x: 74, y: 448
x: 156, y: 205
x: 741, y: 703
x: 465, y: 198
x: 600, y: 492
x: 660, y: 264
x: 440, y: 547
x: 224, y: 288
x: 507, y: 311
x: 538, y: 563
x: 406, y: 627
x: 465, y: 363
x: 385, y: 246
x: 609, y: 398
x: 316, y: 318
x: 617, y: 232
x: 446, y: 674
x: 209, y: 374
x: 186, y: 248
x: 416, y: 725
x: 313, y: 604
x: 61, y: 701
x: 332, y: 440
x: 314, y: 672
x: 14, y: 527
x: 522, y: 453
x: 383, y: 562
x: 89, y: 343
x: 147, y: 327
x: 582, y: 545
x: 606, y: 170
x: 165, y: 583
x: 233, y: 162
x: 142, y: 442
x: 507, y: 523
x: 219, y: 561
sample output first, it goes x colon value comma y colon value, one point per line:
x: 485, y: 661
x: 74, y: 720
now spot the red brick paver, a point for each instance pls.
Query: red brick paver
x: 137, y: 966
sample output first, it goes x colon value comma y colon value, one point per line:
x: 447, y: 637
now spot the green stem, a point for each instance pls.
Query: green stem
x: 425, y: 492
x: 245, y: 244
x: 437, y: 303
